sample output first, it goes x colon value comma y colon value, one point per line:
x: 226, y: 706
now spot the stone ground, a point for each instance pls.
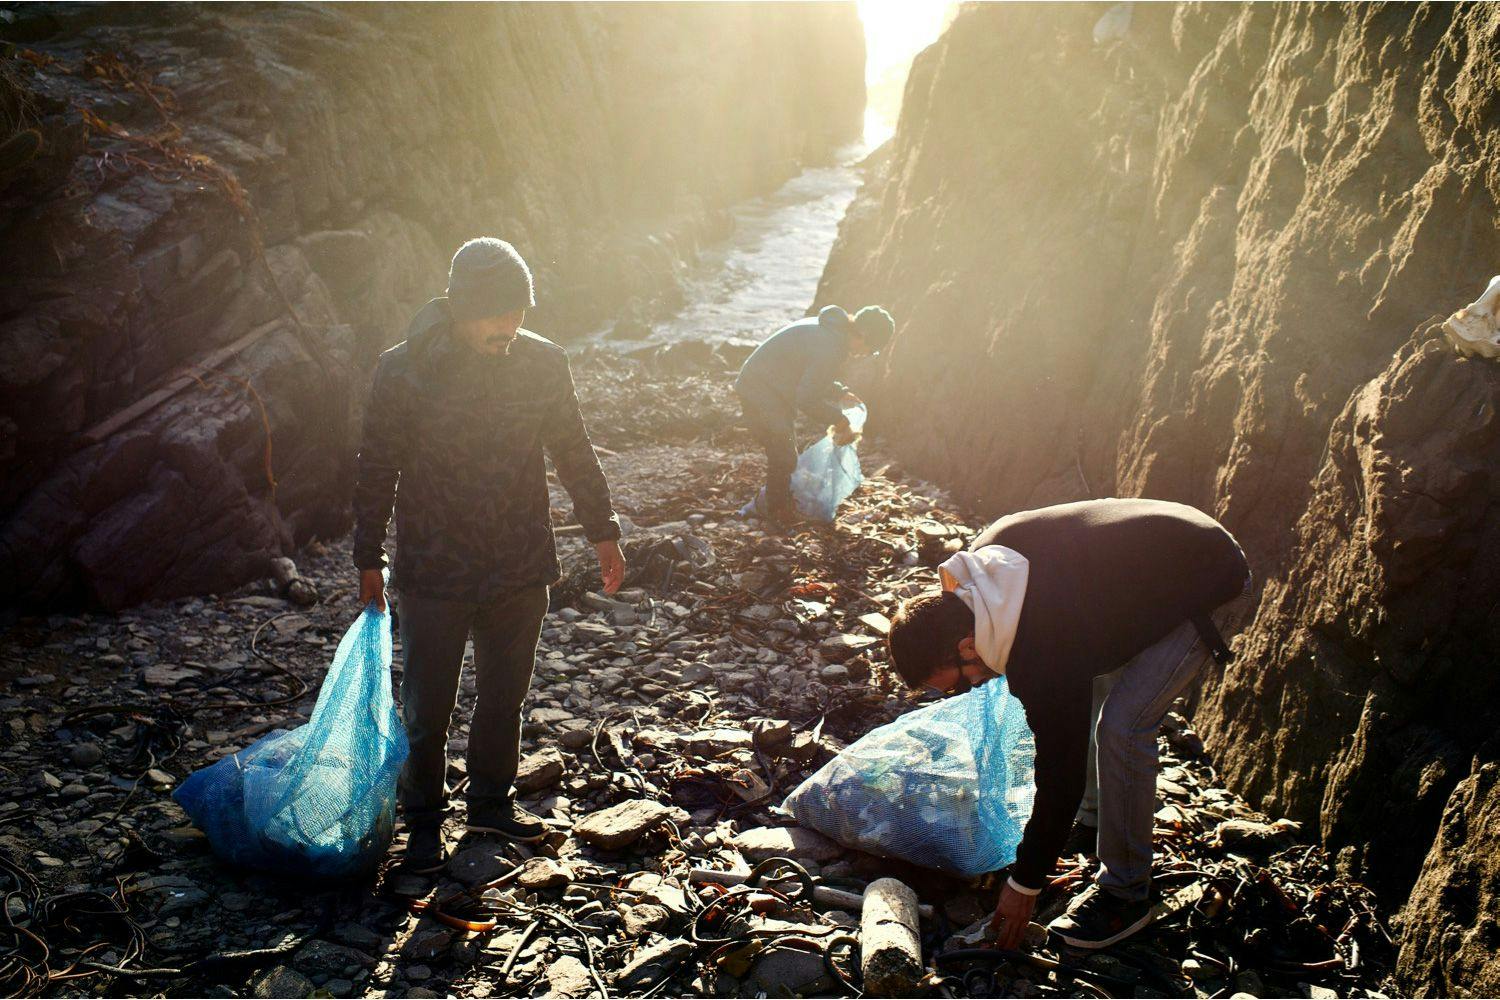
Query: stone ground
x: 663, y: 727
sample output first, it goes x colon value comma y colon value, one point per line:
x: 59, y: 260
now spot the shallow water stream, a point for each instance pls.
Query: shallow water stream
x: 766, y: 273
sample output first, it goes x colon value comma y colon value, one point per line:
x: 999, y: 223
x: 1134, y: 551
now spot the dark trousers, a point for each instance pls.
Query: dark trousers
x: 776, y: 434
x: 433, y: 635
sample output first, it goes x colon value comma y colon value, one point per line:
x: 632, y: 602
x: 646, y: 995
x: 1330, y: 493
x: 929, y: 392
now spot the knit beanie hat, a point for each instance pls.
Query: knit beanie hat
x: 488, y: 278
x: 876, y: 326
x: 834, y: 317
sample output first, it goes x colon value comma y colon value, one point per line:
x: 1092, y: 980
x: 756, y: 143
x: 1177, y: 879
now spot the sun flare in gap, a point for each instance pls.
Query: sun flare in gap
x: 895, y: 31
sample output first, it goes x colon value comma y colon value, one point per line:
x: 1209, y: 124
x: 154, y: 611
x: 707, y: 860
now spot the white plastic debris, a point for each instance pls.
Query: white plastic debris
x: 1473, y: 330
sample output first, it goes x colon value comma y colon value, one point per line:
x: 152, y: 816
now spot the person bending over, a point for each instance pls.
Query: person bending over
x: 797, y: 369
x: 1099, y: 614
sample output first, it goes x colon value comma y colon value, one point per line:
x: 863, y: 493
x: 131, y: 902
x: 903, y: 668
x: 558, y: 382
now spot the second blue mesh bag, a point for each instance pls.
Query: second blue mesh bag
x: 949, y: 786
x: 320, y: 799
x: 827, y: 473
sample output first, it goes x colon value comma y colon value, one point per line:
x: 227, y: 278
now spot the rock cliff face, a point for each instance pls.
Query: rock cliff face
x: 1201, y: 262
x: 213, y: 218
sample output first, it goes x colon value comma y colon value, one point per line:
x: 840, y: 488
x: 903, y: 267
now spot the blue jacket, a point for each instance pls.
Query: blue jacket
x: 797, y: 369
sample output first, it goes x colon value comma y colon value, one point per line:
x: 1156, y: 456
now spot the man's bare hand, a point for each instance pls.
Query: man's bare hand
x: 1011, y: 917
x: 372, y: 588
x: 611, y: 565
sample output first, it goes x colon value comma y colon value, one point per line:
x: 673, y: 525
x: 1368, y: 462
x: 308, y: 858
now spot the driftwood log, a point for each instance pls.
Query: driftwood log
x: 889, y: 942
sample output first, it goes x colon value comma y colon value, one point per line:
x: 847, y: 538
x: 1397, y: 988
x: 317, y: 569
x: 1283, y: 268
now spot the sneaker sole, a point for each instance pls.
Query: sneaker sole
x: 423, y: 867
x: 516, y: 838
x: 1073, y: 942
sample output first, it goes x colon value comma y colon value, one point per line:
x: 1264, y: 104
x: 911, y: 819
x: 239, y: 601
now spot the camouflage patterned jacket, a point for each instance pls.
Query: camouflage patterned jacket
x: 464, y: 433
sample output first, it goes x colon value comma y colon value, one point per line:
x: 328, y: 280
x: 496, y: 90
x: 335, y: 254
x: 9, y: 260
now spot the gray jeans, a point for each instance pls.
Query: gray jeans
x: 1129, y: 706
x: 433, y: 636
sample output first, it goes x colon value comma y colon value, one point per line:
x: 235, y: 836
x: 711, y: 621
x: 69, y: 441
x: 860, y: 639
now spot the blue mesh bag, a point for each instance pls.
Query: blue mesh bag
x: 318, y: 800
x: 827, y: 473
x: 949, y: 786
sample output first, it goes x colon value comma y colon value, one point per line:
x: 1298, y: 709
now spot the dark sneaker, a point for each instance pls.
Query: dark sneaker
x: 426, y: 850
x: 508, y: 821
x: 1098, y: 919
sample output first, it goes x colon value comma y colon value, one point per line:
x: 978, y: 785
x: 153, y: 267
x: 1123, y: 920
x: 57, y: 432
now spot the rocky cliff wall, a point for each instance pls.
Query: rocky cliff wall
x: 212, y: 218
x: 1200, y: 262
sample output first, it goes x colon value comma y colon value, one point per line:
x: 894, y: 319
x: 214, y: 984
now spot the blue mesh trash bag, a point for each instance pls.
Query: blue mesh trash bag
x: 949, y: 786
x: 826, y: 474
x: 318, y: 800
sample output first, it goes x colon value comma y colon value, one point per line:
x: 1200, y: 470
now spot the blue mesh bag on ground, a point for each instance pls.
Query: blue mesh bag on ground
x: 949, y: 786
x: 320, y: 799
x: 827, y: 473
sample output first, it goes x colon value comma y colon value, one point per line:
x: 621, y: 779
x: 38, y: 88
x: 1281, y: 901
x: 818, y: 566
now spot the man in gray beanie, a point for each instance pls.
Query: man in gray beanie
x: 488, y: 278
x: 797, y: 368
x: 461, y: 413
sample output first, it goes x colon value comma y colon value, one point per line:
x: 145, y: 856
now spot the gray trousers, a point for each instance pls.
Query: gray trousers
x: 433, y: 636
x: 1129, y: 706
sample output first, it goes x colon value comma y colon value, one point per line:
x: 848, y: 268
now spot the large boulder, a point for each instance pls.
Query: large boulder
x: 1450, y: 931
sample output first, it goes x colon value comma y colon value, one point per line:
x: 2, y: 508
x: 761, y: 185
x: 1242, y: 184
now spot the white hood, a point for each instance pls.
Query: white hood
x: 992, y: 582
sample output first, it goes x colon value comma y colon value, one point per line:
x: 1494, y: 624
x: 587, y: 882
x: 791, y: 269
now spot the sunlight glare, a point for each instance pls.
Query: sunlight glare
x: 895, y: 31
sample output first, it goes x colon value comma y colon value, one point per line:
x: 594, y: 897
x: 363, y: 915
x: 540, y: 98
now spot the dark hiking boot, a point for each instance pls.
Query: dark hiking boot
x: 509, y: 821
x: 426, y: 850
x: 1098, y: 919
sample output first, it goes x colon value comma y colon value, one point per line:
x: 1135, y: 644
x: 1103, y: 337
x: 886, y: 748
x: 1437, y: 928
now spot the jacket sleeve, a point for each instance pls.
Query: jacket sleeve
x: 818, y: 392
x: 382, y: 452
x: 1060, y: 725
x: 567, y: 442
